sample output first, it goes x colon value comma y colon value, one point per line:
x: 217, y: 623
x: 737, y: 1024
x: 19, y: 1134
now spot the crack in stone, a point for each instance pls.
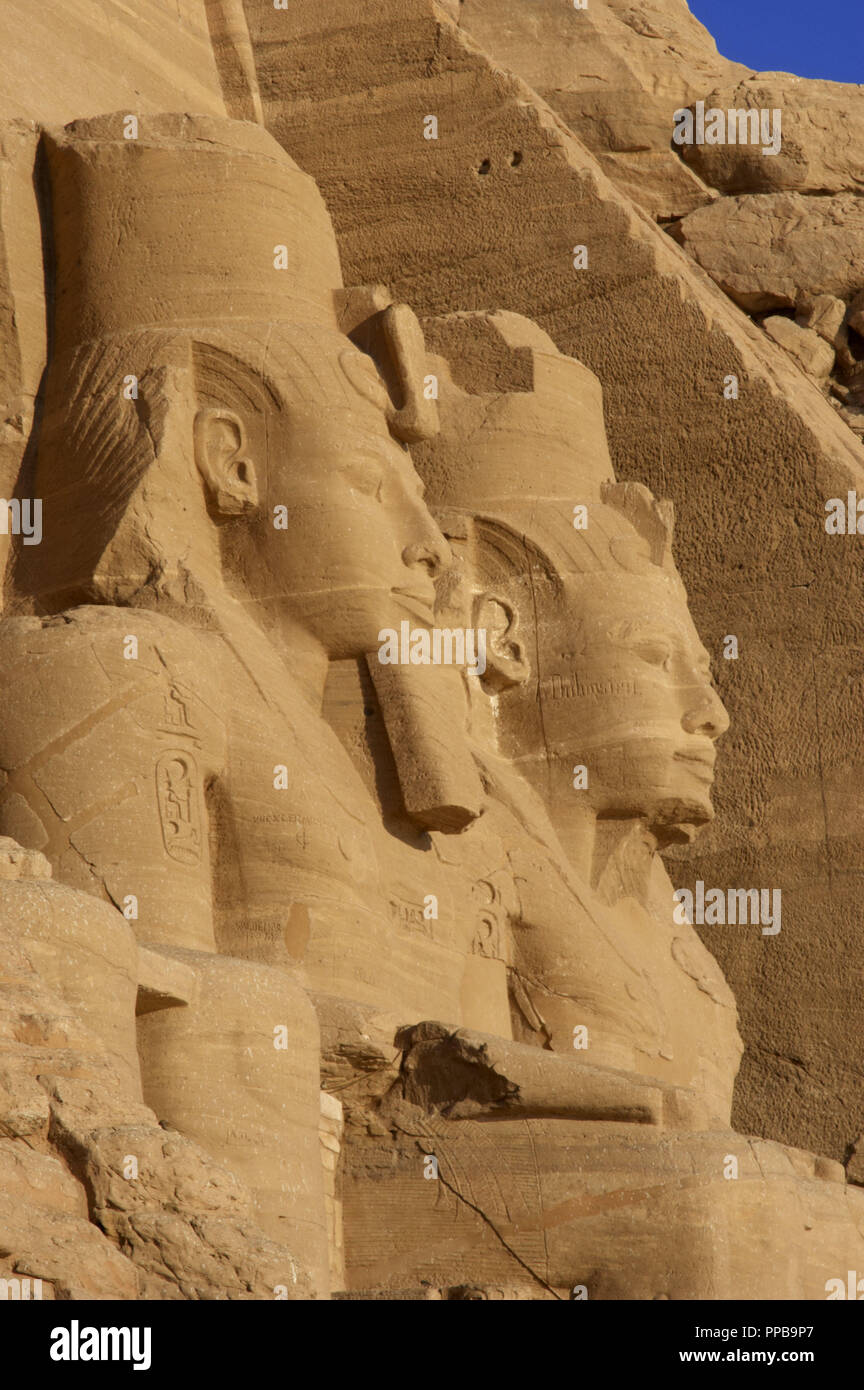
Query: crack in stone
x: 494, y: 1229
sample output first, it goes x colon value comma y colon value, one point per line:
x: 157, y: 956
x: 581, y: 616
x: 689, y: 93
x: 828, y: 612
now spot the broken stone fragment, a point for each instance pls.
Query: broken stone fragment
x: 164, y: 979
x: 812, y: 353
x: 460, y: 1073
x: 767, y: 250
x: 820, y: 149
x: 24, y: 1109
x: 16, y: 862
x: 855, y: 1163
x: 825, y: 314
x: 855, y: 316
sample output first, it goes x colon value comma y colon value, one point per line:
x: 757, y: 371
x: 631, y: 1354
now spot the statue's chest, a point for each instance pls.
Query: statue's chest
x: 297, y: 805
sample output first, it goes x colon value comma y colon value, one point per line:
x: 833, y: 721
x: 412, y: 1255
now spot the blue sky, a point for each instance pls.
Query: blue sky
x: 813, y: 38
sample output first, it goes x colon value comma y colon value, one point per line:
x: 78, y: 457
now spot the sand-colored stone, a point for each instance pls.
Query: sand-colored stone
x: 285, y: 922
x: 535, y: 1194
x: 810, y: 351
x: 615, y: 72
x: 822, y: 127
x: 62, y: 61
x: 71, y: 1118
x: 825, y: 314
x: 767, y: 249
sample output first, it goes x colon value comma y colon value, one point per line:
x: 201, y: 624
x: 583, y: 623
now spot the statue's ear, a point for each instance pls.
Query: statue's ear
x: 223, y: 461
x: 506, y: 663
x: 392, y: 336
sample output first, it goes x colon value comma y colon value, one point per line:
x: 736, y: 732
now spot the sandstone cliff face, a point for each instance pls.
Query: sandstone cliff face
x: 701, y: 267
x: 65, y: 61
x: 615, y: 76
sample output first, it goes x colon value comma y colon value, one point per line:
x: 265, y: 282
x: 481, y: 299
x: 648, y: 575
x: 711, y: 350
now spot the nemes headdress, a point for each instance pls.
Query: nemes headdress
x: 522, y: 452
x: 190, y: 247
x: 177, y: 222
x: 205, y: 226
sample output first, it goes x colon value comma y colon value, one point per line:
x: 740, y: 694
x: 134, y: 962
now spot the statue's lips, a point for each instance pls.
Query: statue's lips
x: 704, y: 759
x: 420, y: 603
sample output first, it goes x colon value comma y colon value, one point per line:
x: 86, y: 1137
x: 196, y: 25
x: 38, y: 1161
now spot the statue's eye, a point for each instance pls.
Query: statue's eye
x: 366, y: 476
x: 655, y: 653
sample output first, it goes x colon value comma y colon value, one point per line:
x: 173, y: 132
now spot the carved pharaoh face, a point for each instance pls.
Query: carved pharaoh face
x: 361, y: 550
x: 625, y: 692
x: 339, y: 535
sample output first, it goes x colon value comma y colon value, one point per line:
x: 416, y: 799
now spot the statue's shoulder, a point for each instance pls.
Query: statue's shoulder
x: 67, y: 672
x: 113, y: 635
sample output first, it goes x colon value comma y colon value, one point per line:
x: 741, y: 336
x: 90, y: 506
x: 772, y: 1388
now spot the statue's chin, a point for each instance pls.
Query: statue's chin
x: 678, y: 821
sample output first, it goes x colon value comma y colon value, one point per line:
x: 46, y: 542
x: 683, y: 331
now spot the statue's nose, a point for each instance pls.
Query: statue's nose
x: 705, y: 713
x: 432, y: 553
